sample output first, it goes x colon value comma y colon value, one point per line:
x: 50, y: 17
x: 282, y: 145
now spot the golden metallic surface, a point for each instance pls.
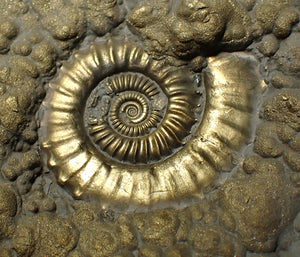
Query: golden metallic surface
x: 133, y: 132
x: 141, y: 155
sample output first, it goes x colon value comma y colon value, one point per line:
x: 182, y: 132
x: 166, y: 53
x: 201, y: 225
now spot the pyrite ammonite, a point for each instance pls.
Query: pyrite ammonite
x: 123, y: 126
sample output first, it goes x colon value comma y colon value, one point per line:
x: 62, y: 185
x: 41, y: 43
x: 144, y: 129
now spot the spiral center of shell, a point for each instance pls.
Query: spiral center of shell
x: 130, y: 107
x: 125, y: 118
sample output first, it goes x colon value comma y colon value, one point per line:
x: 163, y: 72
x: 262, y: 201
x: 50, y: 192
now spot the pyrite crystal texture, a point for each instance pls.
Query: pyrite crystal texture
x: 166, y: 128
x: 126, y: 127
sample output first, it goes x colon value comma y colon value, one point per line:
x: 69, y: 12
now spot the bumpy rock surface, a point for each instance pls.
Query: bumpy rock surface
x: 193, y: 26
x: 253, y: 211
x: 259, y: 217
x: 8, y: 210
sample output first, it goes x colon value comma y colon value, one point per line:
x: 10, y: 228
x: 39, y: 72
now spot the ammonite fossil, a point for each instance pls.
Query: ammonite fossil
x: 125, y: 127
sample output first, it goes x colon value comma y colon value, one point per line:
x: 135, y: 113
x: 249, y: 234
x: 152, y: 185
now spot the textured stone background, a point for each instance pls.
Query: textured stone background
x: 254, y: 213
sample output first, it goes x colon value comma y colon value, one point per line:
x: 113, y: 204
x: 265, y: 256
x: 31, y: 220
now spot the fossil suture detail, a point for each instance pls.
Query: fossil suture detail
x: 125, y: 127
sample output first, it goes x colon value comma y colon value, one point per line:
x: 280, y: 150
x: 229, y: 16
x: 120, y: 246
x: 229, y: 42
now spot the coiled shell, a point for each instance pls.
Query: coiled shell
x: 136, y: 150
